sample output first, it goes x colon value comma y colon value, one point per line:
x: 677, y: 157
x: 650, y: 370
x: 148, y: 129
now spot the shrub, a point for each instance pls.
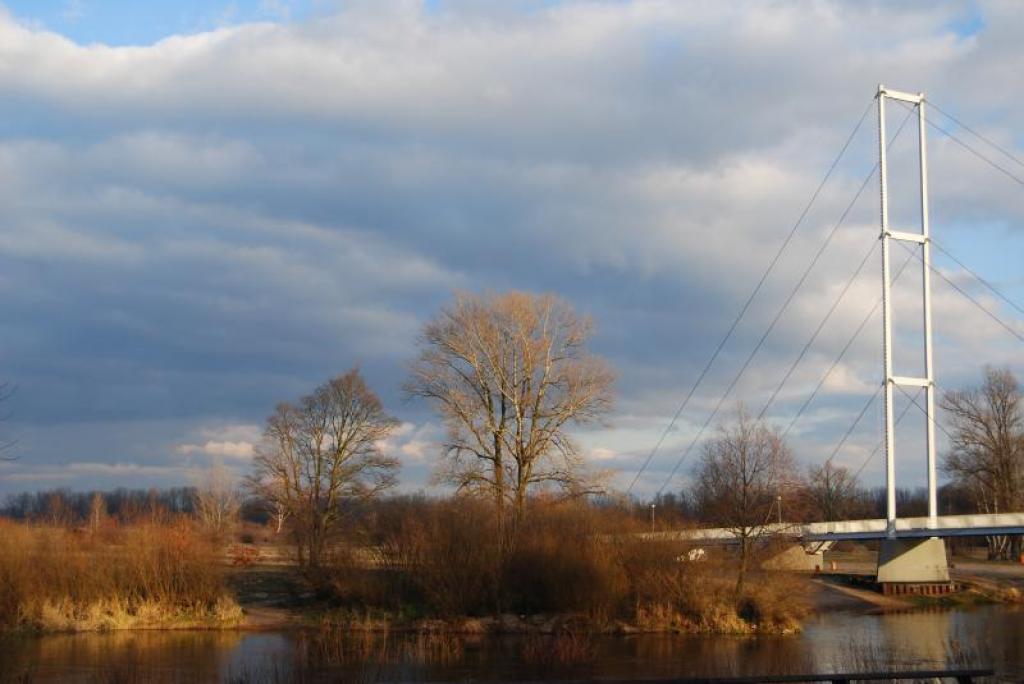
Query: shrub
x: 142, y: 575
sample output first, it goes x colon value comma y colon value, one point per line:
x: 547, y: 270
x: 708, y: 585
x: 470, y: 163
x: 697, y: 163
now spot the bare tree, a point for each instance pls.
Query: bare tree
x: 831, y: 490
x: 739, y: 476
x: 986, y: 454
x: 279, y: 515
x: 509, y: 374
x: 217, y: 500
x: 97, y: 511
x: 321, y: 452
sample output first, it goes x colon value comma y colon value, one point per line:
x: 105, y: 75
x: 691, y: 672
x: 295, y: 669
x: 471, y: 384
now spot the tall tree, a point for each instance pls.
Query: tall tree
x: 320, y: 453
x: 738, y: 478
x: 986, y: 454
x: 831, y: 490
x: 509, y: 374
x: 217, y: 500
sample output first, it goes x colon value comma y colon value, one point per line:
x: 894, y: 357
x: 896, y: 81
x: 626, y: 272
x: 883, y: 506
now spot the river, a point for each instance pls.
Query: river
x: 986, y: 636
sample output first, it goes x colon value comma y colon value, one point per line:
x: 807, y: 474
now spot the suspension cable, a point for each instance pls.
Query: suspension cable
x: 994, y: 145
x: 838, y: 359
x: 781, y: 311
x: 817, y: 331
x: 750, y: 299
x: 967, y: 295
x: 977, y: 277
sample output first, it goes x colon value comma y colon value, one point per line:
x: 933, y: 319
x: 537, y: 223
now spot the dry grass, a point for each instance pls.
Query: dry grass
x: 145, y: 575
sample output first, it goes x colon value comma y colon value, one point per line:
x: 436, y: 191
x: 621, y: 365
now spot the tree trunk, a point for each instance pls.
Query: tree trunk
x: 744, y: 555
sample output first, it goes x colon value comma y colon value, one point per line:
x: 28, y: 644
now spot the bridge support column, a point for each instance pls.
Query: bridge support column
x: 912, y: 561
x: 794, y: 557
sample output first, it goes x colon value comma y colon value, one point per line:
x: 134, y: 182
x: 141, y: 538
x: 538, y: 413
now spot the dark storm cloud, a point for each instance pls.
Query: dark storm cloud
x: 194, y: 230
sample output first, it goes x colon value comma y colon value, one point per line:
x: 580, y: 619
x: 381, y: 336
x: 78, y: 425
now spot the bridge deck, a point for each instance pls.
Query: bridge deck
x: 906, y: 528
x: 917, y: 528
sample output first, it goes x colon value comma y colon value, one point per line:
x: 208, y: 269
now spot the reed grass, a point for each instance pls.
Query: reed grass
x: 141, y: 576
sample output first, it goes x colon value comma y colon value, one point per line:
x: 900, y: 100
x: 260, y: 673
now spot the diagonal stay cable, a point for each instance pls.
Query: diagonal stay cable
x: 817, y: 331
x: 853, y: 426
x: 1006, y: 326
x: 842, y: 354
x: 750, y: 299
x: 991, y: 143
x: 878, y: 446
x: 781, y: 311
x: 977, y: 277
x: 931, y: 419
x: 967, y: 146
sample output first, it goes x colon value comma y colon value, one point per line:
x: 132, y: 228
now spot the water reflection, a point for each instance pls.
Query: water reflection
x: 990, y: 636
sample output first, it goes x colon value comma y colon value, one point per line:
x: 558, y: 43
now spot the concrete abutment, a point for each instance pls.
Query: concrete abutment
x: 907, y: 565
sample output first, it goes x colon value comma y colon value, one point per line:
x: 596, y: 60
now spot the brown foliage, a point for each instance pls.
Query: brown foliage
x: 986, y: 454
x: 509, y: 374
x: 54, y: 578
x: 571, y: 559
x: 320, y: 453
x: 739, y: 476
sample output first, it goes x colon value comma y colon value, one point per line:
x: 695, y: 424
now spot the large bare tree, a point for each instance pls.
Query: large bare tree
x: 831, y: 490
x: 509, y: 374
x: 986, y: 454
x: 741, y: 473
x: 321, y: 453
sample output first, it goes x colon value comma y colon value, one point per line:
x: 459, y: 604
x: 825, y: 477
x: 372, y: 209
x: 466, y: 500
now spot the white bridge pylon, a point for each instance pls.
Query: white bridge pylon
x: 890, y: 379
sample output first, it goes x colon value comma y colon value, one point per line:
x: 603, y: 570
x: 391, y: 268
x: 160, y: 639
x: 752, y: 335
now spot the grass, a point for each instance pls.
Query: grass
x: 441, y: 567
x: 147, y: 575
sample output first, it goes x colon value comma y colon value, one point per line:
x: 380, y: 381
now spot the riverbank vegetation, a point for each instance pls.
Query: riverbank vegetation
x: 404, y: 563
x: 146, y: 575
x: 573, y: 566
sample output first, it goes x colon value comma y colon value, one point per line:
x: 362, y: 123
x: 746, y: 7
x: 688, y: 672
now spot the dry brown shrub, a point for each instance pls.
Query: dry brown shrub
x: 144, y: 575
x: 448, y: 557
x: 564, y: 561
x: 775, y: 601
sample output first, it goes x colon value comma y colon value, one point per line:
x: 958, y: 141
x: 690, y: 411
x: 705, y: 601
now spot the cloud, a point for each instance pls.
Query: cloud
x: 233, y: 442
x: 237, y: 450
x: 412, y: 443
x: 196, y: 229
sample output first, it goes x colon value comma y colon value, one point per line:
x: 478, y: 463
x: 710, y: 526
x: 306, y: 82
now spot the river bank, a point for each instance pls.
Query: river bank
x: 832, y: 641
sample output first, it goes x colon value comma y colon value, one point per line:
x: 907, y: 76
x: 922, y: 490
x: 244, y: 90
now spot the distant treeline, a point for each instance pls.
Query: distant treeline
x: 862, y: 503
x: 67, y: 507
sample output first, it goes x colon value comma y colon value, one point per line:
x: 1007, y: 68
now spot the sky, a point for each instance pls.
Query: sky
x: 208, y: 208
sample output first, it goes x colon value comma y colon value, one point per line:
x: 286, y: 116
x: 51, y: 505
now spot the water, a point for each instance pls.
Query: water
x: 990, y: 636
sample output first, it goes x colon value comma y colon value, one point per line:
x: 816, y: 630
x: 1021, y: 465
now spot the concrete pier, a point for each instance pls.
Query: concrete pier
x: 912, y: 561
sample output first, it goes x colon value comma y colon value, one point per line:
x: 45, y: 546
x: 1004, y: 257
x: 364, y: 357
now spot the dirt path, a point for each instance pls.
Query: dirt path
x: 836, y: 596
x: 271, y: 596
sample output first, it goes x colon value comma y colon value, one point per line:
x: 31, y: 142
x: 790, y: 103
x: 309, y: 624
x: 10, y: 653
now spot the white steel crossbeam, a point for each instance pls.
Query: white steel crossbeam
x: 900, y: 95
x: 910, y: 382
x: 908, y: 237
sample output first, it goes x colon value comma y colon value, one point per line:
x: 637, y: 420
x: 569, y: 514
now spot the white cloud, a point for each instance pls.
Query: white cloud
x: 235, y: 442
x: 412, y: 443
x: 239, y: 450
x: 602, y: 454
